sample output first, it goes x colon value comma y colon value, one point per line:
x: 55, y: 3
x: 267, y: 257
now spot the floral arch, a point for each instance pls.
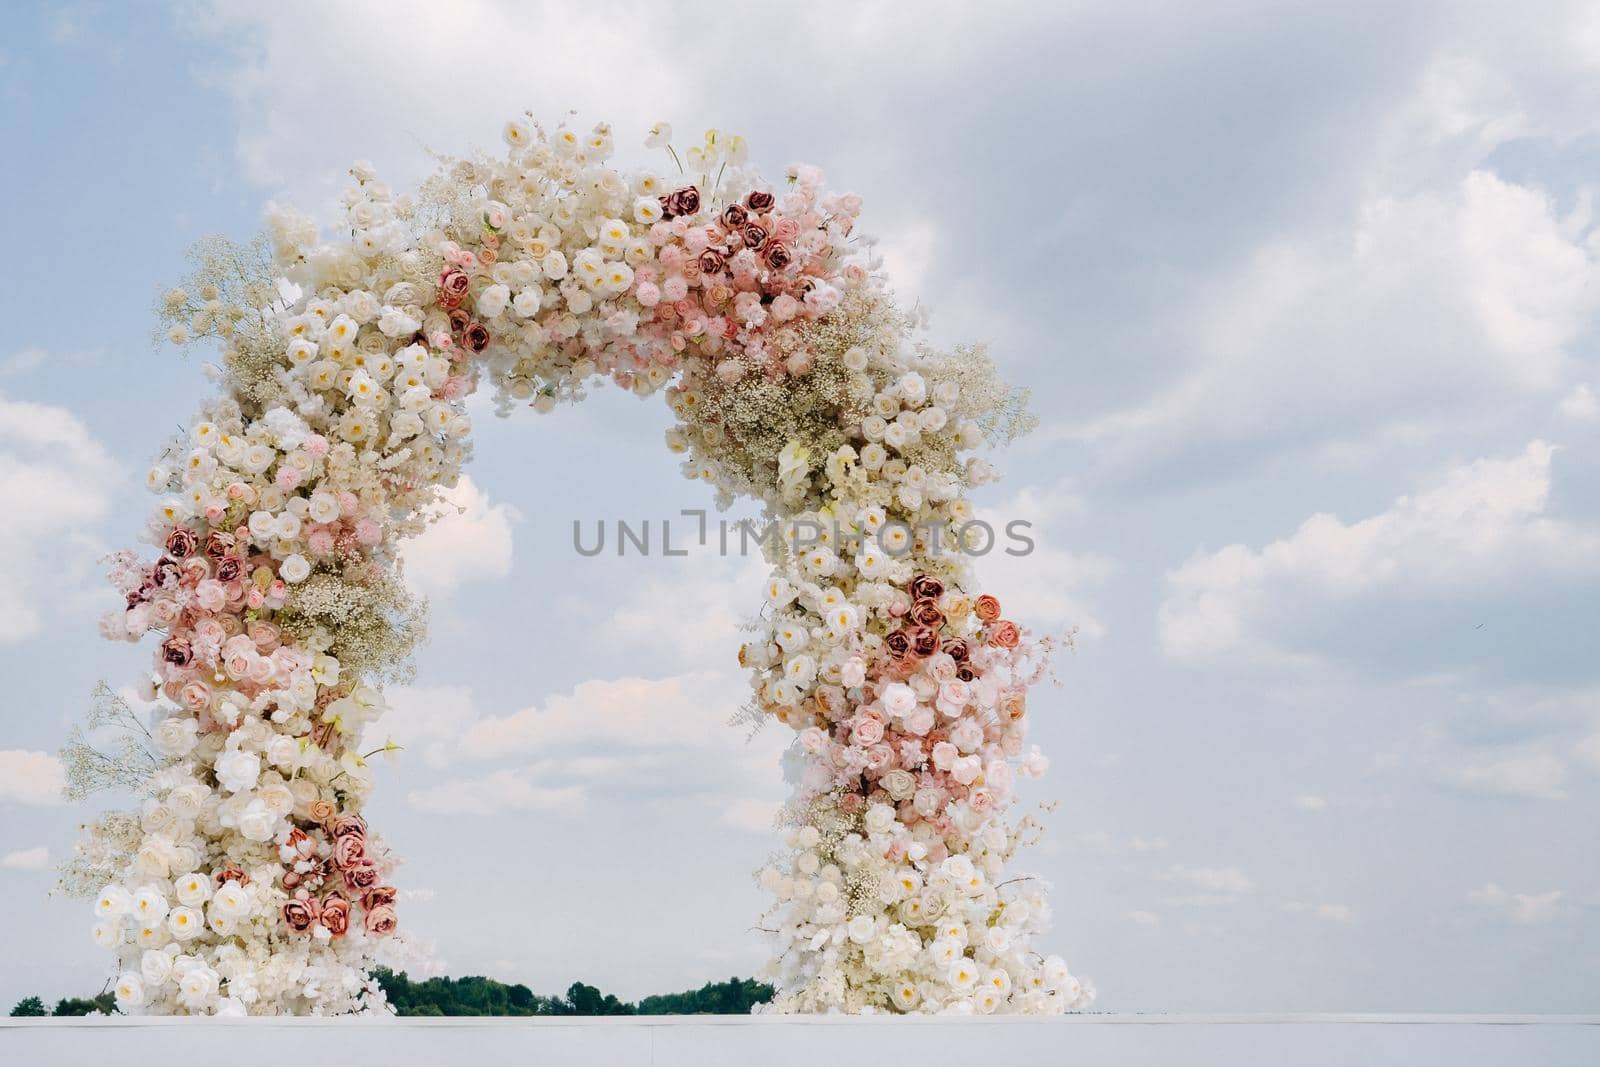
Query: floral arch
x: 249, y: 882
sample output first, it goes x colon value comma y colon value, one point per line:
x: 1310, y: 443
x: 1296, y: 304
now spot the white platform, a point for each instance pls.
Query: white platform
x: 713, y: 1041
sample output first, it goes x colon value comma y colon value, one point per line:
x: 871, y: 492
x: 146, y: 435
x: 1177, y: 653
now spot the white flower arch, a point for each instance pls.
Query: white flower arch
x: 249, y: 881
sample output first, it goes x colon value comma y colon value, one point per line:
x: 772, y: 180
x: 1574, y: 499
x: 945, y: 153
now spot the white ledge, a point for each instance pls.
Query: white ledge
x: 1126, y: 1040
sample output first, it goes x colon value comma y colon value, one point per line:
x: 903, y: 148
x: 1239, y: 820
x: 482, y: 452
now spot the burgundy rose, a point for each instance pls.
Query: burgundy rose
x: 349, y: 823
x: 685, y: 201
x: 181, y: 543
x: 229, y: 569
x: 956, y: 648
x: 965, y: 673
x: 349, y: 850
x: 778, y: 256
x: 1004, y: 634
x: 924, y: 642
x: 360, y: 876
x: 219, y: 545
x: 754, y: 234
x: 476, y: 336
x: 734, y: 216
x: 898, y: 643
x: 759, y: 201
x: 335, y: 914
x: 382, y: 920
x: 459, y: 318
x: 927, y: 613
x: 453, y: 287
x: 926, y: 587
x: 378, y: 896
x: 712, y: 262
x: 301, y: 914
x: 177, y: 651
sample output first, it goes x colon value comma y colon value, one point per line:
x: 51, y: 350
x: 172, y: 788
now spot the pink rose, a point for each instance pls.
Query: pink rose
x: 1004, y: 634
x: 349, y: 850
x: 381, y: 920
x: 868, y: 730
x: 300, y: 913
x: 360, y: 876
x: 335, y: 913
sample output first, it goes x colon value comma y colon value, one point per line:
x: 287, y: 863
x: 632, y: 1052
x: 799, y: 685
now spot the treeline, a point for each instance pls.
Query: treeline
x: 105, y: 1003
x: 485, y: 996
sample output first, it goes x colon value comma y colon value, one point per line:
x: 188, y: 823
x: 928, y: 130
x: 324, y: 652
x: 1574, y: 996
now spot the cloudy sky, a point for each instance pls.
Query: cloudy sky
x: 1307, y: 301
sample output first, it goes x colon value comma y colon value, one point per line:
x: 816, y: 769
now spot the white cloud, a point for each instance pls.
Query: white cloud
x: 1522, y: 908
x: 50, y: 460
x: 604, y: 738
x: 1143, y: 918
x: 26, y: 859
x: 624, y: 712
x: 1520, y: 772
x: 1217, y: 881
x: 1482, y: 529
x: 1581, y: 404
x: 1050, y: 586
x: 748, y: 813
x: 1429, y: 311
x: 1336, y: 913
x: 470, y: 541
x: 30, y: 778
x: 498, y: 793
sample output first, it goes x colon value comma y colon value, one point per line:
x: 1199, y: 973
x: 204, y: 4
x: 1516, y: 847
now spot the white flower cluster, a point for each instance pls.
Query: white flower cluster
x: 255, y: 885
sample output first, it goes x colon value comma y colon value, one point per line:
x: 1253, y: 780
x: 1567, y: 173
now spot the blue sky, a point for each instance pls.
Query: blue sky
x: 1307, y: 300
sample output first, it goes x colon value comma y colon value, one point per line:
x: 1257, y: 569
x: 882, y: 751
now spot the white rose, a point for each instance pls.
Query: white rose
x: 130, y: 991
x: 493, y: 300
x: 149, y: 905
x: 193, y: 889
x: 294, y: 568
x: 185, y: 923
x: 283, y: 751
x: 554, y: 265
x: 257, y: 823
x: 898, y: 699
x: 177, y: 735
x: 394, y: 322
x: 113, y: 902
x: 528, y: 302
x: 238, y: 770
x: 861, y: 929
x: 880, y: 818
x: 197, y: 986
x: 231, y: 901
x: 107, y: 933
x: 155, y: 967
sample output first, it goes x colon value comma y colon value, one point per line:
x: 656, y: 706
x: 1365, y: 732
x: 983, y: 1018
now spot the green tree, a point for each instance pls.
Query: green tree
x: 29, y: 1006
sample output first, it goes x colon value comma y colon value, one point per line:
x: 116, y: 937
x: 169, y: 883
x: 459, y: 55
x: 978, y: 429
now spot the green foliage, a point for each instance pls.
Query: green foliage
x: 29, y: 1006
x: 484, y: 996
x: 105, y: 1003
x: 736, y: 996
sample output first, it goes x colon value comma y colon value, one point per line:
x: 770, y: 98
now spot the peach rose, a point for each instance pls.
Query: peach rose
x: 987, y: 608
